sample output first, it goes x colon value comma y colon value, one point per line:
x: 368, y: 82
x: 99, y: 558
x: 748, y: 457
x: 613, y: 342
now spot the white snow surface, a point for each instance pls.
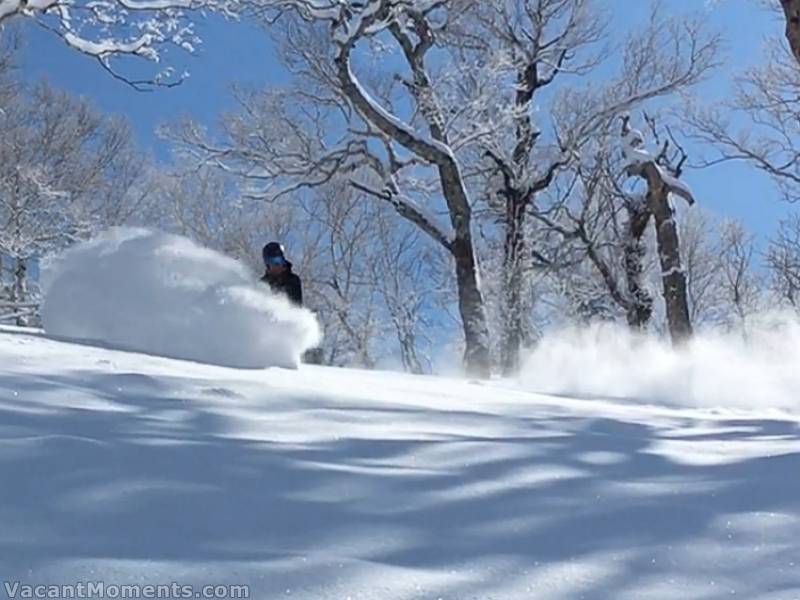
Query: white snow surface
x: 144, y: 290
x: 750, y: 367
x: 328, y: 484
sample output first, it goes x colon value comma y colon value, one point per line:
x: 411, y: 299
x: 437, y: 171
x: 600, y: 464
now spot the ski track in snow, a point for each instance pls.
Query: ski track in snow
x: 324, y: 484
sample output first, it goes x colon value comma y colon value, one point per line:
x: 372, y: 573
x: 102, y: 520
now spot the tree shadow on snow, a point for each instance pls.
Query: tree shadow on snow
x: 153, y: 476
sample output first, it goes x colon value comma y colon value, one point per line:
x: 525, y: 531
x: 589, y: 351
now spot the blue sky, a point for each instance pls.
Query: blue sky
x: 237, y: 53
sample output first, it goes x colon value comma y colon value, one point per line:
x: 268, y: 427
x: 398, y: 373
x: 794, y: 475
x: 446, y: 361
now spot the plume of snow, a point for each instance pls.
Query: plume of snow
x: 143, y: 290
x: 755, y: 367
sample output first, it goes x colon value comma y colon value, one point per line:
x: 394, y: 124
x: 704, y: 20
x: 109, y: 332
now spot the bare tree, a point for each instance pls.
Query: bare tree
x: 205, y: 205
x: 660, y: 173
x: 700, y: 258
x: 742, y: 287
x: 608, y: 223
x: 9, y: 45
x: 766, y: 100
x: 340, y: 272
x: 609, y: 229
x: 783, y: 261
x: 401, y: 272
x: 62, y: 167
x: 723, y: 286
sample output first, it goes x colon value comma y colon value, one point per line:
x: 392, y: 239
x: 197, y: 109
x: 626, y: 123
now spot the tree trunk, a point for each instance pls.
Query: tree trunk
x: 673, y: 277
x: 408, y: 353
x: 20, y: 287
x: 791, y: 10
x: 470, y: 300
x: 513, y: 252
x: 470, y: 304
x: 640, y: 307
x: 4, y: 291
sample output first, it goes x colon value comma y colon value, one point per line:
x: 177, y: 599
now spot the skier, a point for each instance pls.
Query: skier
x: 279, y: 275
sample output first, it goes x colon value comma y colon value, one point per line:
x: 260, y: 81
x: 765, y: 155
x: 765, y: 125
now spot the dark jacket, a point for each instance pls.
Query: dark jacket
x: 287, y: 283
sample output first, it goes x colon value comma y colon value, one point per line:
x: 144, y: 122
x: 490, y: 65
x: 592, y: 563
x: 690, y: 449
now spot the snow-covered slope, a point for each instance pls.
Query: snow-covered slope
x: 325, y: 484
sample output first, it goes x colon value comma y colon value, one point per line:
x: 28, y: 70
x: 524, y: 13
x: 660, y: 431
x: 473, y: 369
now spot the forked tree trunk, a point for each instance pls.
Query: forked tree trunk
x: 470, y: 300
x: 672, y: 275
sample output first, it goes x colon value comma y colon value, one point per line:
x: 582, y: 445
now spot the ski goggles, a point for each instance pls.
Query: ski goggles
x: 275, y: 260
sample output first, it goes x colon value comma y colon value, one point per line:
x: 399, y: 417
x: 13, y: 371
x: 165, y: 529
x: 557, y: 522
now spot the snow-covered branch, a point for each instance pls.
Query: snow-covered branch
x: 111, y: 29
x: 766, y: 100
x: 658, y: 169
x: 408, y: 209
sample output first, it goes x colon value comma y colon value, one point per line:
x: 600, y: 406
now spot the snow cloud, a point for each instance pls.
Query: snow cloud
x: 756, y: 367
x: 151, y: 292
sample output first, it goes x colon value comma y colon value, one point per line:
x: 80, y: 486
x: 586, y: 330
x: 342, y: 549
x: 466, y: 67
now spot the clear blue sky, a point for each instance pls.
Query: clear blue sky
x: 239, y: 53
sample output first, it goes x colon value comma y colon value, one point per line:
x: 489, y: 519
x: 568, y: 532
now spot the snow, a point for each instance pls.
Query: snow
x: 9, y: 7
x: 325, y: 10
x: 633, y: 148
x: 672, y: 271
x: 327, y: 484
x: 398, y: 124
x: 39, y: 5
x: 156, y: 4
x: 636, y: 155
x: 106, y: 47
x: 352, y: 28
x: 754, y: 368
x: 677, y: 186
x: 144, y: 290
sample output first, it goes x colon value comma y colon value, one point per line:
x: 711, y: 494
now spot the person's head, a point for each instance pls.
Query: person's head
x: 274, y: 258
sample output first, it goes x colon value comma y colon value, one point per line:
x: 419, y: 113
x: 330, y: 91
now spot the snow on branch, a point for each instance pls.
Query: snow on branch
x: 352, y: 22
x: 8, y: 8
x: 662, y: 168
x: 110, y: 29
x: 411, y: 210
x: 633, y: 148
x: 431, y: 150
x: 349, y: 23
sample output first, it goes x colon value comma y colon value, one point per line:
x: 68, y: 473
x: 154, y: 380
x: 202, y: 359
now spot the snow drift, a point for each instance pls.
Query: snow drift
x: 755, y: 367
x: 143, y: 290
